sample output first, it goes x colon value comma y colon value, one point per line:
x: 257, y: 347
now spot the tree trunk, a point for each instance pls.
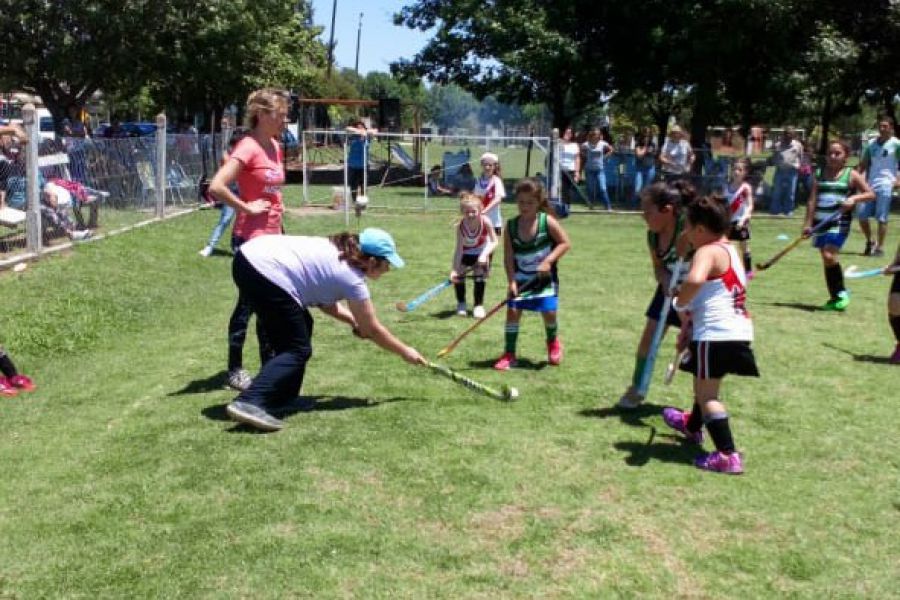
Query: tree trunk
x: 826, y: 125
x: 703, y: 113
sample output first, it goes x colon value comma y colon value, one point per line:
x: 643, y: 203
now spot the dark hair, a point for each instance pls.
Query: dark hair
x: 237, y: 135
x: 842, y: 144
x: 887, y: 118
x: 348, y: 248
x: 533, y: 186
x: 711, y: 212
x: 677, y: 194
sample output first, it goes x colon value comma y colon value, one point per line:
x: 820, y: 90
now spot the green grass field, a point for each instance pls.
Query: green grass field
x: 122, y: 476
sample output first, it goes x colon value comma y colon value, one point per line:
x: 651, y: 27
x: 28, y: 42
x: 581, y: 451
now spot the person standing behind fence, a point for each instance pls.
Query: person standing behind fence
x: 569, y: 165
x: 227, y: 213
x: 879, y: 162
x: 596, y: 149
x: 489, y: 187
x: 786, y: 157
x: 358, y: 157
x: 257, y: 166
x: 676, y: 157
x: 645, y: 152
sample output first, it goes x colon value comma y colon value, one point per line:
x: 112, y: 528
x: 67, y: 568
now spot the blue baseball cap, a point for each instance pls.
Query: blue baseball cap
x: 379, y: 243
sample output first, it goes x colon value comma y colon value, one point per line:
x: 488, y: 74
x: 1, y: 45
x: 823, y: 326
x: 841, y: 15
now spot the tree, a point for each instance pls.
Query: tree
x: 519, y: 50
x: 65, y: 51
x: 450, y: 106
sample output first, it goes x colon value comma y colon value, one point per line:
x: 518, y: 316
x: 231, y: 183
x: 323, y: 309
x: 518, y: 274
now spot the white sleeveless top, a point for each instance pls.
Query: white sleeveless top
x: 738, y: 201
x: 718, y: 308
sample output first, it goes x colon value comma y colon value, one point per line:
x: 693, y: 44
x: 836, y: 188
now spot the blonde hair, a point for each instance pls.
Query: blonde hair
x: 468, y: 198
x: 261, y: 101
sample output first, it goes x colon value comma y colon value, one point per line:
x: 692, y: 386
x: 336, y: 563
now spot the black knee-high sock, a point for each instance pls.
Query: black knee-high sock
x: 748, y: 264
x: 6, y: 364
x: 834, y: 278
x: 695, y: 421
x: 895, y: 325
x: 460, y: 292
x: 479, y: 292
x: 720, y: 432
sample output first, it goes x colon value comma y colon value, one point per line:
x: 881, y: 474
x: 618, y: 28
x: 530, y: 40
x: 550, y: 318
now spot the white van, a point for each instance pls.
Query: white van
x: 45, y: 120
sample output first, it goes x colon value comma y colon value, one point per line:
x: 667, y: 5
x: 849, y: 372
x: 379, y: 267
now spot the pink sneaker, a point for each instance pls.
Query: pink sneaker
x: 505, y: 362
x: 895, y: 357
x: 23, y: 383
x: 717, y: 462
x: 554, y: 352
x: 6, y: 388
x: 677, y: 420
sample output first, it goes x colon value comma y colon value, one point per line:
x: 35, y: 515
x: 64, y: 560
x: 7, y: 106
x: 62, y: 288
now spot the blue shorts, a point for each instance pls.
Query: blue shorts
x: 541, y: 304
x: 879, y: 208
x: 830, y: 239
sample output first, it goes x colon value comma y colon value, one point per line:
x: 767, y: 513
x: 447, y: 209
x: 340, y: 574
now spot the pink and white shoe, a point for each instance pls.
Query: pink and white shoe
x: 505, y: 362
x: 554, y: 352
x: 718, y: 462
x: 6, y: 388
x: 677, y: 420
x: 23, y: 383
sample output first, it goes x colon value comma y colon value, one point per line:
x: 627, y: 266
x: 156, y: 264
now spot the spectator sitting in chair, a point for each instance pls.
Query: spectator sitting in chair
x: 435, y: 187
x: 465, y: 179
x: 54, y: 201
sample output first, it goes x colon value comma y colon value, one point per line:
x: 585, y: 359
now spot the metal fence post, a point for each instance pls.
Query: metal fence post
x: 33, y: 235
x: 161, y: 166
x: 553, y: 172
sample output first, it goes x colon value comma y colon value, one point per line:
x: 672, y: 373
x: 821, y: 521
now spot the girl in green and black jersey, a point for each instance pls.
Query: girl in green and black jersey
x: 837, y: 188
x: 533, y: 242
x: 662, y: 205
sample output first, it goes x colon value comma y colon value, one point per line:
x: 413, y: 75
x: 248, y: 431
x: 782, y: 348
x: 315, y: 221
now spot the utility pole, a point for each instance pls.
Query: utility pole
x: 331, y: 41
x: 358, y: 37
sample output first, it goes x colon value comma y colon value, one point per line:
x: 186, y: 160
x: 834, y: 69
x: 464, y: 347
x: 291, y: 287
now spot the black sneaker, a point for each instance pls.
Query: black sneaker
x: 868, y: 250
x: 254, y: 416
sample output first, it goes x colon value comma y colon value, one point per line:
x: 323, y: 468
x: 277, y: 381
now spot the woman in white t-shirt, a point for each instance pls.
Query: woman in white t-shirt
x: 282, y: 277
x: 676, y: 156
x: 569, y: 164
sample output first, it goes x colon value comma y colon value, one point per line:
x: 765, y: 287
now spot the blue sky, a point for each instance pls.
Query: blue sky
x: 382, y: 41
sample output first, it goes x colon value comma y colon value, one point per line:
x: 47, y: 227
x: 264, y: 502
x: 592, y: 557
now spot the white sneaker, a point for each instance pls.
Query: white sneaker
x: 81, y: 235
x: 239, y: 379
x: 631, y: 399
x: 478, y: 312
x: 461, y: 310
x: 207, y: 251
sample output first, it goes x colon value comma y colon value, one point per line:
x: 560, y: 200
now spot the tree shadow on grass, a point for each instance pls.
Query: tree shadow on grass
x: 521, y: 363
x: 872, y: 358
x: 212, y: 383
x: 634, y: 417
x: 675, y: 451
x: 794, y: 305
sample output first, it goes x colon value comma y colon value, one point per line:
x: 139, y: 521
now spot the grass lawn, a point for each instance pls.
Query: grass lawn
x: 122, y: 476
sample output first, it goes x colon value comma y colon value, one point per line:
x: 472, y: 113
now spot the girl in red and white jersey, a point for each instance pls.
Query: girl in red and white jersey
x: 739, y: 193
x: 475, y: 241
x: 490, y: 189
x: 717, y: 332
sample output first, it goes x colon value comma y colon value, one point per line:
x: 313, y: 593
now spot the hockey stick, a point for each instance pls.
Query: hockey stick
x: 644, y: 383
x: 673, y: 366
x: 853, y: 272
x: 829, y: 220
x: 505, y: 393
x: 423, y: 297
x: 525, y: 287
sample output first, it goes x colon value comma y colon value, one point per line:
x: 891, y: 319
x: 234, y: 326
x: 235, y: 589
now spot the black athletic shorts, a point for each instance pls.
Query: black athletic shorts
x: 655, y: 309
x: 739, y: 234
x: 895, y: 284
x: 713, y: 360
x: 470, y: 261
